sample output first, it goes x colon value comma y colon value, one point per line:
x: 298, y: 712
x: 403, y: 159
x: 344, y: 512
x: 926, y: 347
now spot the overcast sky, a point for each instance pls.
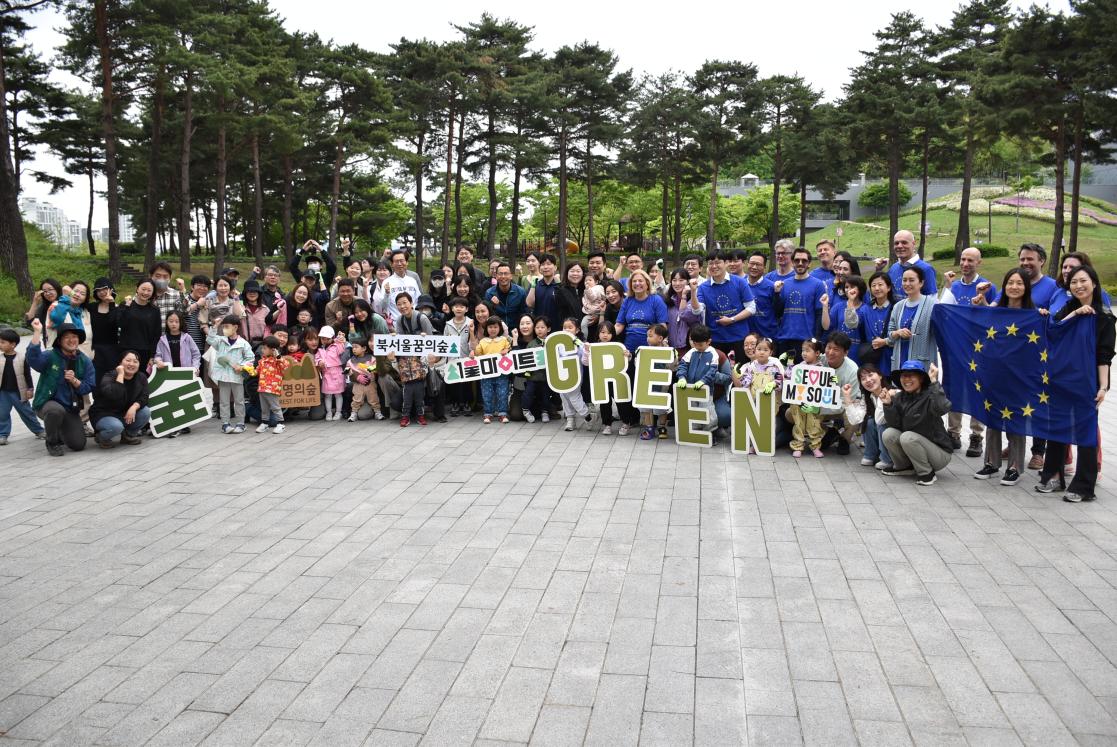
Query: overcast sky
x: 817, y: 39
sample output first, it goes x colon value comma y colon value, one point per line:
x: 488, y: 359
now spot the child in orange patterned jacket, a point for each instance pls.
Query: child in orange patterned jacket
x: 270, y: 370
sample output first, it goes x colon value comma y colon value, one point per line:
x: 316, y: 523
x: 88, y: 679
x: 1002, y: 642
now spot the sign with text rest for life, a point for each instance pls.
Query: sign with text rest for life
x: 415, y: 345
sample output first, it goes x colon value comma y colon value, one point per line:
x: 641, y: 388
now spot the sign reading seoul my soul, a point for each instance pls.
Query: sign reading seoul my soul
x: 754, y: 418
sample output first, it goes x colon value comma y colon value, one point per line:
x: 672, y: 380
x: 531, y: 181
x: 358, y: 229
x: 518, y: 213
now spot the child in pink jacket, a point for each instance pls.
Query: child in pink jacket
x: 328, y: 360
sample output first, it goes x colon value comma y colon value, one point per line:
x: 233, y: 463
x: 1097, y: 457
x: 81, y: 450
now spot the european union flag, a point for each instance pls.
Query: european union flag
x: 1019, y: 371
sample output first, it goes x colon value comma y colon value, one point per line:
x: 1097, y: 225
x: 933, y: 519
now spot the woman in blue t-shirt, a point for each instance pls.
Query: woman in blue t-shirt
x: 848, y: 316
x: 639, y: 311
x: 909, y: 326
x: 878, y: 309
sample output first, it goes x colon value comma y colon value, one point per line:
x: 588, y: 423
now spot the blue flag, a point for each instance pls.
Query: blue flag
x: 1019, y: 371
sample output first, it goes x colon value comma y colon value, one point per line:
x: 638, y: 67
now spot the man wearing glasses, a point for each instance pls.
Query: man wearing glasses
x: 798, y: 302
x: 784, y: 270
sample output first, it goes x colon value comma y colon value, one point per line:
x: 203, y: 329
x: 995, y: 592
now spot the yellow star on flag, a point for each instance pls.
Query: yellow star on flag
x: 977, y: 346
x: 991, y: 333
x: 1027, y: 411
x: 1033, y: 337
x: 973, y: 365
x: 988, y: 405
x: 1006, y: 413
x: 1012, y: 329
x: 1043, y: 397
x: 1045, y: 378
x: 977, y: 385
x: 1043, y: 357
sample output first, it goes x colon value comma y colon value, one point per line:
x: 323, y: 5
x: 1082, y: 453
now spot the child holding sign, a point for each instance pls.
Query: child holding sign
x: 658, y: 335
x: 494, y: 390
x: 806, y: 431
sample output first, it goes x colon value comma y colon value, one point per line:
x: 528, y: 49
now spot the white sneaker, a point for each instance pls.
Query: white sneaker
x: 546, y: 417
x: 528, y: 416
x: 880, y: 465
x: 569, y: 424
x: 623, y: 430
x: 262, y: 428
x: 279, y: 428
x: 353, y: 417
x: 867, y: 462
x: 607, y: 430
x: 378, y: 415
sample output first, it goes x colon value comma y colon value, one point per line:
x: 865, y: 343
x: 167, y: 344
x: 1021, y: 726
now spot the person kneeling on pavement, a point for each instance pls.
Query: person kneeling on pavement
x: 120, y: 405
x: 916, y: 437
x: 65, y: 376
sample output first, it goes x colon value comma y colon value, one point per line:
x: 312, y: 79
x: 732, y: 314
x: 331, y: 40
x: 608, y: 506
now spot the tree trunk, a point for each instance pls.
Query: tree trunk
x: 517, y: 174
x: 209, y: 227
x: 589, y: 194
x: 184, y: 197
x: 1076, y: 179
x: 446, y: 188
x: 560, y: 238
x: 419, y: 206
x: 962, y: 237
x: 458, y: 185
x: 923, y: 198
x: 257, y: 203
x: 335, y: 196
x: 803, y: 212
x: 198, y: 230
x: 13, y: 244
x: 893, y: 196
x: 490, y: 236
x: 665, y: 214
x: 777, y: 179
x: 1060, y: 197
x: 152, y: 197
x: 677, y: 242
x: 89, y: 217
x: 288, y: 184
x: 222, y: 166
x: 108, y: 129
x: 712, y: 217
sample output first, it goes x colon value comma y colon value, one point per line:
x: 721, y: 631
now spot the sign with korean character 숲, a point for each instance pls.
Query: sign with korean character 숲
x: 175, y: 400
x: 300, y: 386
x: 415, y: 345
x: 488, y: 366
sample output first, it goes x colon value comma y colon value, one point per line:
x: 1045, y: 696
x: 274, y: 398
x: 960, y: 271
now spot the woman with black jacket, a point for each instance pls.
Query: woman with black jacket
x: 104, y: 324
x: 568, y: 296
x: 1086, y: 300
x: 140, y: 323
x: 120, y: 407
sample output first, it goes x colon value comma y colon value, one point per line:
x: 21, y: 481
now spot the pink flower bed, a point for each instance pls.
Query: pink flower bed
x: 1026, y: 202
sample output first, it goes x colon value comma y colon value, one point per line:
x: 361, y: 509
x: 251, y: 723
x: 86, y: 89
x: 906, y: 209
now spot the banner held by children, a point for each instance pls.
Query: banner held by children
x: 488, y: 366
x: 812, y: 385
x: 448, y: 346
x: 301, y: 387
x: 175, y: 400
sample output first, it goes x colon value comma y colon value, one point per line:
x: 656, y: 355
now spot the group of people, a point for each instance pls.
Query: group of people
x: 732, y: 321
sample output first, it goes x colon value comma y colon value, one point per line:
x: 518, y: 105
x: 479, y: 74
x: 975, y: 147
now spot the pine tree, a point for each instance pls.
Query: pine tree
x: 788, y: 101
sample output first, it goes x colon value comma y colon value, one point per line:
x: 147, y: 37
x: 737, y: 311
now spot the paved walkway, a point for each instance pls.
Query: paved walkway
x: 355, y: 583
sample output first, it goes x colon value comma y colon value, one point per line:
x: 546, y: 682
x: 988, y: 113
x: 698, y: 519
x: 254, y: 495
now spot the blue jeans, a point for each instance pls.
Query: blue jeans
x: 494, y: 393
x: 874, y: 442
x: 108, y: 427
x: 10, y: 400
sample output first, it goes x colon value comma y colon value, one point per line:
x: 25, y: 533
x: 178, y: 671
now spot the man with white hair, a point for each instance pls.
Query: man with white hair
x: 783, y: 269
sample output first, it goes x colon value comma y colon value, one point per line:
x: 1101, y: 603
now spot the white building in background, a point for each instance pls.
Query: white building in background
x: 127, y: 233
x: 50, y: 220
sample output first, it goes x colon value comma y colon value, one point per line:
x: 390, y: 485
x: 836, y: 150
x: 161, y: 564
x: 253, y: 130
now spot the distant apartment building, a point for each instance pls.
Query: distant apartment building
x: 51, y: 221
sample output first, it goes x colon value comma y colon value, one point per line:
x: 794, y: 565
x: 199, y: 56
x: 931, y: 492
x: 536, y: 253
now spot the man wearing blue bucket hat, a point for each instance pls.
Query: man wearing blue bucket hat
x: 916, y: 437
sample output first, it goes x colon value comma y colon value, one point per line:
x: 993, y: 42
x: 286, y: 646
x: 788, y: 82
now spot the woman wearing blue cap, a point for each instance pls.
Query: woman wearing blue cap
x: 916, y: 437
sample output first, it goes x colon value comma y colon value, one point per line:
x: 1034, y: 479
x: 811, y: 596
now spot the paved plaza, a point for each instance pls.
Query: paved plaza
x: 363, y: 584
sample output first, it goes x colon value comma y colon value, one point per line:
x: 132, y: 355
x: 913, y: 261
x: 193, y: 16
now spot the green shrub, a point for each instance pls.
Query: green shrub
x: 987, y: 251
x: 876, y: 196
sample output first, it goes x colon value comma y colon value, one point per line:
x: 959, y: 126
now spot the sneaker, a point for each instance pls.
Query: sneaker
x: 588, y: 419
x: 866, y: 462
x: 892, y: 471
x: 441, y: 419
x: 986, y: 472
x: 661, y: 432
x: 55, y: 450
x: 1074, y: 497
x: 421, y: 420
x: 975, y: 447
x: 262, y: 428
x: 238, y: 428
x: 607, y: 430
x: 528, y: 416
x: 818, y: 453
x: 647, y: 434
x: 569, y: 424
x: 545, y: 417
x: 226, y: 427
x: 487, y: 419
x: 503, y: 418
x: 454, y: 411
x: 128, y: 439
x: 1050, y: 485
x: 466, y: 412
x: 1036, y: 462
x: 279, y: 428
x: 881, y: 465
x: 88, y: 428
x: 927, y: 479
x: 377, y: 415
x: 3, y: 440
x: 842, y: 448
x: 624, y: 429
x: 105, y: 444
x: 404, y: 421
x: 955, y: 441
x: 797, y: 453
x: 1011, y: 477
x: 43, y: 434
x: 352, y: 417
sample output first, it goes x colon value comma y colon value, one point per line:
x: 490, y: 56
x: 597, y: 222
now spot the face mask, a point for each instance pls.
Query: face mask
x: 161, y: 284
x: 314, y: 267
x: 425, y: 312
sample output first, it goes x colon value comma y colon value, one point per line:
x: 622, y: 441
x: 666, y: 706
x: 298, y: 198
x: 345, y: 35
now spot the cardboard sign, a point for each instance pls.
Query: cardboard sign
x: 652, y: 388
x: 564, y: 373
x: 175, y: 400
x: 754, y: 422
x: 812, y: 385
x: 301, y: 387
x: 412, y: 346
x: 489, y: 366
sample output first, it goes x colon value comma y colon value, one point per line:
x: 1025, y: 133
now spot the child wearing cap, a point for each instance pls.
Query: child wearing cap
x: 361, y: 368
x: 270, y: 370
x: 231, y: 355
x: 328, y: 360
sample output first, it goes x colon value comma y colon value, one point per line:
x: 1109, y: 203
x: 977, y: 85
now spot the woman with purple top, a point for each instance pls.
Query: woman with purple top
x: 683, y: 309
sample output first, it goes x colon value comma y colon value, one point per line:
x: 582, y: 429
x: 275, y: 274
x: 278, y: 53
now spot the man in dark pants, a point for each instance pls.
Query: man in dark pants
x: 65, y: 376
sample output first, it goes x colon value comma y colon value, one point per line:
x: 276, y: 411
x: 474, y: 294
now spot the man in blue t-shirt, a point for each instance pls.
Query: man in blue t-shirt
x: 763, y: 322
x: 782, y: 253
x: 903, y: 244
x: 729, y: 303
x: 1032, y: 258
x: 798, y: 303
x: 825, y: 250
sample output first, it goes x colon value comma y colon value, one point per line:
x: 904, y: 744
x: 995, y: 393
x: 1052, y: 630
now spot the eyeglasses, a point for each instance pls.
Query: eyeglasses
x: 800, y: 261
